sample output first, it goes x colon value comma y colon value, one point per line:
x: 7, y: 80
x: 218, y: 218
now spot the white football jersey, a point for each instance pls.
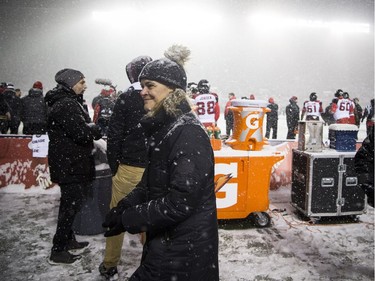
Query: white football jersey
x: 344, y: 108
x: 312, y: 108
x: 206, y: 107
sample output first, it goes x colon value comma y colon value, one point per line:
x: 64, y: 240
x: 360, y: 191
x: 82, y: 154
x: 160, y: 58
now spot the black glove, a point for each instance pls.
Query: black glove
x: 113, y: 221
x: 96, y: 131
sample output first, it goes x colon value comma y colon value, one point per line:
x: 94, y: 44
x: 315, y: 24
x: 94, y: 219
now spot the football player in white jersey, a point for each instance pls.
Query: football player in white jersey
x: 207, y: 106
x: 343, y: 110
x: 312, y: 108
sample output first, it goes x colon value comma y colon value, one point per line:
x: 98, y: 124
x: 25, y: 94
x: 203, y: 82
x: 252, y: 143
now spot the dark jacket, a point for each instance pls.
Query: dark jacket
x: 34, y: 109
x: 126, y: 139
x: 4, y: 107
x: 273, y: 115
x: 70, y: 148
x: 364, y: 166
x: 175, y: 201
x: 14, y: 103
x: 292, y: 115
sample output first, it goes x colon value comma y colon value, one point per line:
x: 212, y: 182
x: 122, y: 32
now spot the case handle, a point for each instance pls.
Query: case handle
x: 351, y: 181
x: 327, y: 182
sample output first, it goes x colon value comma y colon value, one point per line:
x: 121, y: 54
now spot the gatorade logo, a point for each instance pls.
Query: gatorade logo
x: 230, y: 189
x: 252, y: 121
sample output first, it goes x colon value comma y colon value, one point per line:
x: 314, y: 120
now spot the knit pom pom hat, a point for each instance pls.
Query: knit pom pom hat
x: 169, y: 70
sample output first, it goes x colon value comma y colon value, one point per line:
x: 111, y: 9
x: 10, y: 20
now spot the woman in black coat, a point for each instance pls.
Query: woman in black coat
x: 175, y: 202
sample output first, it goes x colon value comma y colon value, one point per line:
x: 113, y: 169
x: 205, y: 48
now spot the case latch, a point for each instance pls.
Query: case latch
x: 342, y: 168
x: 340, y: 202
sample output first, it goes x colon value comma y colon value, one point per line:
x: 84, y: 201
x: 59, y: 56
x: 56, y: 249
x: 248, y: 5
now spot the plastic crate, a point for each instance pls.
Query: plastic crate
x: 343, y: 137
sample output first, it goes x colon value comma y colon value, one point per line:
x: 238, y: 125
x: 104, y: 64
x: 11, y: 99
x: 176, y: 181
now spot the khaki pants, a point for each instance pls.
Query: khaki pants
x: 126, y: 178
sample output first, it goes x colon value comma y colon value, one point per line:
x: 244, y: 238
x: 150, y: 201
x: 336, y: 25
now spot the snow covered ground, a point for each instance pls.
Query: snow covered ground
x: 290, y: 249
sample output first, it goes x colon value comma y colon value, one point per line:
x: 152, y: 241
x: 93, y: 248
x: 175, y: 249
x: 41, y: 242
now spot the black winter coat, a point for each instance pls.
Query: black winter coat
x: 4, y: 107
x: 126, y: 139
x: 14, y: 103
x: 70, y: 151
x: 292, y: 115
x: 34, y: 109
x: 175, y: 201
x: 273, y: 115
x: 364, y: 166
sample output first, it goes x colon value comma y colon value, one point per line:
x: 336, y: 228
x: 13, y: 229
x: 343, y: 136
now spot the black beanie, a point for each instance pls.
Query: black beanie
x: 169, y: 70
x: 68, y: 77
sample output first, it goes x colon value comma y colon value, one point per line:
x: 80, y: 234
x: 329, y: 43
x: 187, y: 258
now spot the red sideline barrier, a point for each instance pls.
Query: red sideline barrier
x: 281, y: 174
x: 17, y: 165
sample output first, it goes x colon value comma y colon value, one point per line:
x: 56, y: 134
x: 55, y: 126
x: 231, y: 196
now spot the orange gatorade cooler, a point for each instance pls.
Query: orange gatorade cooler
x: 248, y: 124
x: 242, y: 180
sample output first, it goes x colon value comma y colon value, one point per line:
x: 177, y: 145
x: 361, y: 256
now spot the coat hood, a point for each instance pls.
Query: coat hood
x: 134, y: 68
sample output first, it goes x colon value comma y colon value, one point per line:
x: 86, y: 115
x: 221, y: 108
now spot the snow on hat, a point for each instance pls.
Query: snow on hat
x: 68, y: 77
x: 38, y: 85
x: 10, y: 86
x: 169, y: 70
x: 134, y: 68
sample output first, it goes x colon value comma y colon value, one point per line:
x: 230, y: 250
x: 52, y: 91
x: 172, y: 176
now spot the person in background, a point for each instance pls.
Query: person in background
x: 70, y: 158
x: 104, y: 109
x: 34, y: 111
x: 343, y: 110
x: 192, y: 89
x: 364, y: 166
x: 272, y: 118
x: 228, y: 114
x: 312, y: 108
x: 4, y: 115
x: 15, y: 106
x: 368, y: 114
x: 175, y: 201
x: 126, y: 153
x: 327, y: 115
x: 292, y: 117
x: 3, y: 86
x: 252, y: 97
x: 207, y: 106
x: 358, y: 113
x: 18, y: 92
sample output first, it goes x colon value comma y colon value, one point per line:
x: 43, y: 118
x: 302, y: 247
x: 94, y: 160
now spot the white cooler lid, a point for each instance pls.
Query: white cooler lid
x: 343, y: 127
x: 249, y: 103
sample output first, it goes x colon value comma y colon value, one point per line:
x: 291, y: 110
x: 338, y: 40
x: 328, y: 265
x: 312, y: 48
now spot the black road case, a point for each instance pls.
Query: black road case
x: 325, y: 184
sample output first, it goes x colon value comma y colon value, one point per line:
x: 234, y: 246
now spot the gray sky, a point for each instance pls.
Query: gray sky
x: 40, y: 37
